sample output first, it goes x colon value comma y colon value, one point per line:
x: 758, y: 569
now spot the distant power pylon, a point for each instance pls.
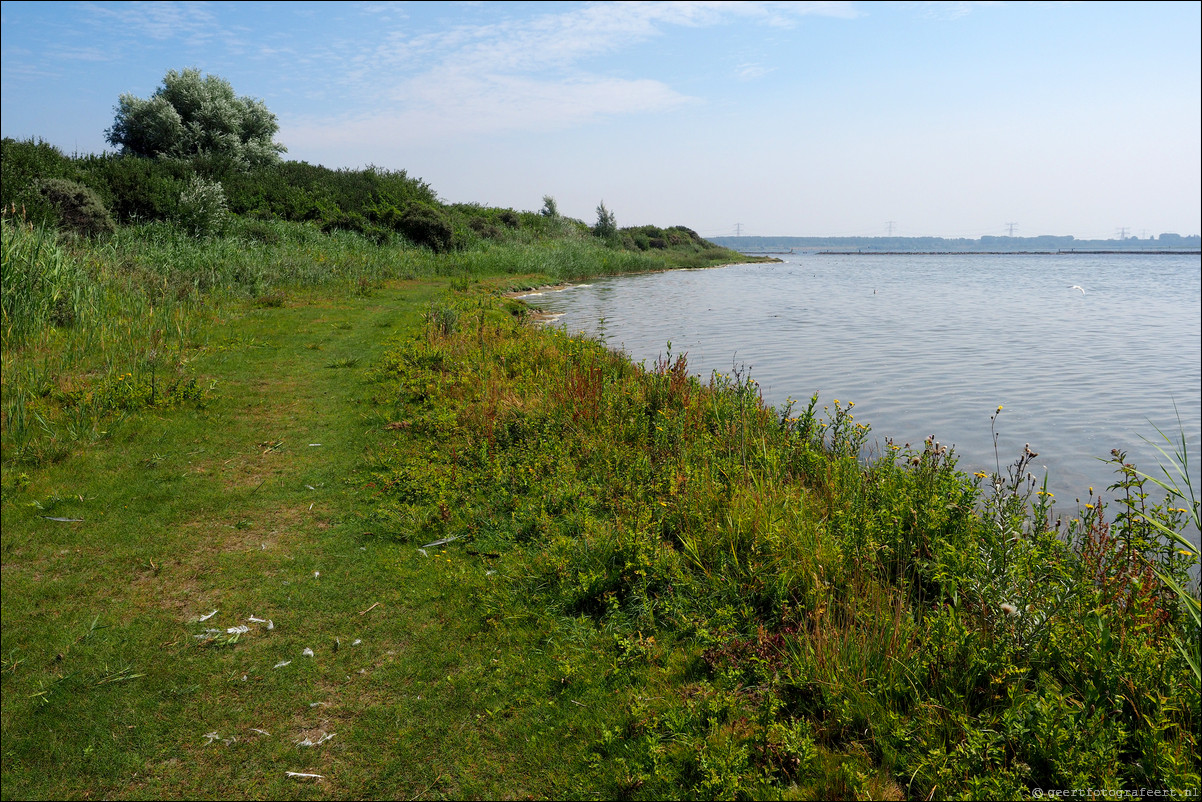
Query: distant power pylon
x: 738, y: 229
x: 889, y: 224
x: 1123, y: 232
x: 1010, y: 229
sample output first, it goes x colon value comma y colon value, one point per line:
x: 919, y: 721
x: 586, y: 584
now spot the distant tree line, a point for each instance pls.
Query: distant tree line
x: 940, y: 244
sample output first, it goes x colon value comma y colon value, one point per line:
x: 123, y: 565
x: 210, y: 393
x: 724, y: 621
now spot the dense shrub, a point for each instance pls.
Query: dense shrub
x: 647, y: 237
x: 77, y: 207
x: 136, y: 189
x: 22, y: 164
x: 484, y: 228
x: 306, y: 192
x: 425, y: 225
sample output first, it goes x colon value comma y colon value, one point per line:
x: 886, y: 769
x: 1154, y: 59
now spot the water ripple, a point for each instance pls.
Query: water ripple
x: 933, y: 344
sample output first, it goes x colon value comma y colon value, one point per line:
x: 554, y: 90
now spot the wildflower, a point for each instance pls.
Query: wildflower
x: 999, y: 408
x: 980, y: 474
x: 1089, y: 506
x: 1009, y: 609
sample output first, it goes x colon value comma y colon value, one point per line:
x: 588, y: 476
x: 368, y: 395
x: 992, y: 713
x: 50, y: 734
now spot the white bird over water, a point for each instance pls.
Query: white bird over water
x: 1078, y: 287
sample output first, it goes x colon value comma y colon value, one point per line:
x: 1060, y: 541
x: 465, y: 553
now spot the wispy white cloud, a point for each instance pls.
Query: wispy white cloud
x: 158, y: 21
x: 948, y: 10
x: 68, y: 53
x: 749, y: 72
x: 471, y: 107
x: 535, y: 73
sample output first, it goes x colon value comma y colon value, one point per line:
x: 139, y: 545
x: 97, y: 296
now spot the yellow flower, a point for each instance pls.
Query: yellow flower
x: 980, y: 474
x: 1089, y: 506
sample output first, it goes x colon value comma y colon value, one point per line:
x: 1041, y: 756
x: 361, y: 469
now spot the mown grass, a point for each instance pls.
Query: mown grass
x: 523, y: 565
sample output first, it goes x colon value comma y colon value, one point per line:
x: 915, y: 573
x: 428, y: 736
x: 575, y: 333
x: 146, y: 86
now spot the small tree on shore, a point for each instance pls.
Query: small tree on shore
x: 193, y: 115
x: 607, y: 225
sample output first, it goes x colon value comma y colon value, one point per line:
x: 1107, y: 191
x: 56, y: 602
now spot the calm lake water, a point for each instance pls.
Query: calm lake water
x: 932, y: 344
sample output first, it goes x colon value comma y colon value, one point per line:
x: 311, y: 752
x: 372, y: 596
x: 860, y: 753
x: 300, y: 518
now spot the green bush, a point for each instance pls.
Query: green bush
x: 135, y: 189
x: 77, y: 207
x: 484, y: 228
x: 300, y: 191
x: 22, y: 164
x: 427, y: 226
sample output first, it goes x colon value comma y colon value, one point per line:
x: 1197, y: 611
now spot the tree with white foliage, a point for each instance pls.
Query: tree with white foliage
x: 193, y: 115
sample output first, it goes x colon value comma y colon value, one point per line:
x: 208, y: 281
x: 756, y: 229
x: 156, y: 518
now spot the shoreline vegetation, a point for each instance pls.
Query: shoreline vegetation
x: 297, y: 503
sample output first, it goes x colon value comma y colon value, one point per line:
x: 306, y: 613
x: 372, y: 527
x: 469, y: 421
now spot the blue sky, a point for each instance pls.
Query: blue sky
x: 945, y: 119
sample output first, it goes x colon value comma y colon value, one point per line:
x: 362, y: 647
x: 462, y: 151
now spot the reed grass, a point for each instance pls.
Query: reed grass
x: 94, y: 328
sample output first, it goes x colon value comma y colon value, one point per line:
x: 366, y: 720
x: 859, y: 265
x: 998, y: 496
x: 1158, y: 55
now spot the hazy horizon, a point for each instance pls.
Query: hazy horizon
x: 951, y: 120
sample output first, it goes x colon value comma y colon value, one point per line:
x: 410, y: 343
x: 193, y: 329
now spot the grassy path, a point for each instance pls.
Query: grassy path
x: 113, y: 686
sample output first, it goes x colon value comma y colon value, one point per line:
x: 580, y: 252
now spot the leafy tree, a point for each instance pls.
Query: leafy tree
x: 607, y: 225
x: 550, y: 207
x: 192, y: 116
